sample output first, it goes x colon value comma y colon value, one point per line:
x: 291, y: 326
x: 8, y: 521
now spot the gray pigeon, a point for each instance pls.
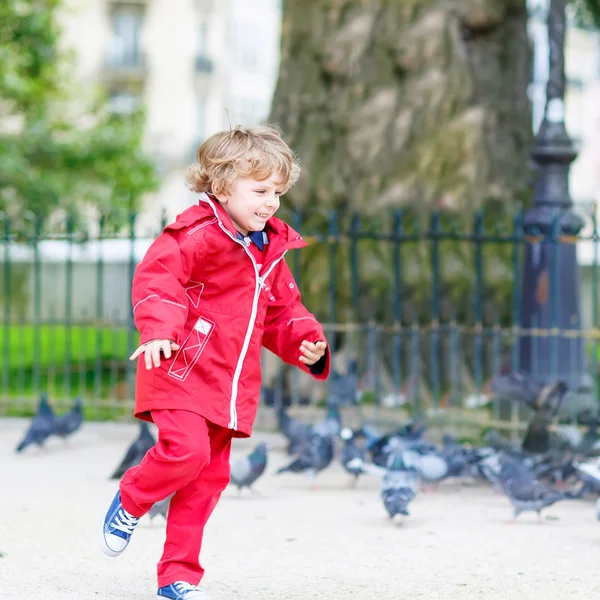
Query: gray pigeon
x: 524, y: 491
x: 245, y: 471
x: 398, y: 488
x: 331, y: 425
x: 69, y: 423
x: 41, y: 427
x: 315, y: 456
x: 350, y: 453
x: 430, y: 466
x: 160, y: 508
x: 136, y: 451
x: 295, y: 431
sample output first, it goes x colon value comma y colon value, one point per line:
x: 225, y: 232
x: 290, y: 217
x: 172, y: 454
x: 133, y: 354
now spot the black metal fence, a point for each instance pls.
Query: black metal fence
x: 421, y: 309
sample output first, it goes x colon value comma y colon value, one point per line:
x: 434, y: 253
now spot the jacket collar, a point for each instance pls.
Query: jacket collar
x: 279, y: 232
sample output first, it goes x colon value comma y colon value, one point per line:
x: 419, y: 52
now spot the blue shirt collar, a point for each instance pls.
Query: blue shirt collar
x: 259, y: 238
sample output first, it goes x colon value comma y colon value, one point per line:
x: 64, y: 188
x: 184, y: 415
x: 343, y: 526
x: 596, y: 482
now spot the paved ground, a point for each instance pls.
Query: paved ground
x: 290, y: 543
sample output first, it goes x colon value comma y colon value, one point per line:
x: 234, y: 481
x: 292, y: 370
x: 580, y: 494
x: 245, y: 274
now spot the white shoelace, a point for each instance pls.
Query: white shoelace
x: 182, y: 586
x: 125, y: 522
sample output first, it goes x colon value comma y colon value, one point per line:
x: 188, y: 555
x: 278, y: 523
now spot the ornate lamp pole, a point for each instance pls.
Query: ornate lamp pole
x: 551, y: 280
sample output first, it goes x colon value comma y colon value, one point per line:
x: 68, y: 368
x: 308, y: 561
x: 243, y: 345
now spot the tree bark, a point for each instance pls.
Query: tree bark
x: 406, y: 102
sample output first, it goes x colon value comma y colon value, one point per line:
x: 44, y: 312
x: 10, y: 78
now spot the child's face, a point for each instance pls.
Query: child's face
x: 251, y: 202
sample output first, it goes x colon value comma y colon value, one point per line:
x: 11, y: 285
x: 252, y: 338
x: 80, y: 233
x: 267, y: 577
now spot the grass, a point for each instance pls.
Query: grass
x: 66, y: 361
x: 24, y: 346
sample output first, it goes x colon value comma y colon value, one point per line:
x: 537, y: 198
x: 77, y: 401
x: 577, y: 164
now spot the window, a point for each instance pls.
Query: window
x: 123, y: 103
x: 124, y: 50
x: 249, y: 111
x: 201, y: 123
x: 203, y: 63
x: 539, y: 36
x: 538, y: 8
x: 248, y: 42
x: 202, y: 40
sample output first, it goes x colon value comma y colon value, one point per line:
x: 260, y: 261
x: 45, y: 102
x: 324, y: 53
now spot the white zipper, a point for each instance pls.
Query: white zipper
x: 260, y: 282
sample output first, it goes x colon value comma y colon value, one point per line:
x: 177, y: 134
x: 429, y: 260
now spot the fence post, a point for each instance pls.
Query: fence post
x: 415, y: 368
x: 129, y: 380
x: 7, y: 306
x: 68, y: 307
x: 434, y: 233
x: 554, y: 295
x: 595, y: 283
x: 37, y: 302
x: 516, y: 298
x: 397, y: 336
x: 477, y: 341
x: 100, y: 330
x: 355, y: 229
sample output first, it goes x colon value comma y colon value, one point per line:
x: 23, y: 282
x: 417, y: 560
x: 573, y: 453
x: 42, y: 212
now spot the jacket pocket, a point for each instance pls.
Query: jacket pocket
x: 191, y: 349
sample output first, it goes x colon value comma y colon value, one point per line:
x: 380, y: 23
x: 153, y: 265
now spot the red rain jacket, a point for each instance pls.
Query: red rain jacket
x: 200, y: 286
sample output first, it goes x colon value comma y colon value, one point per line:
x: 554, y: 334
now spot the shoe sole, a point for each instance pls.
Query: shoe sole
x: 166, y: 598
x: 105, y: 547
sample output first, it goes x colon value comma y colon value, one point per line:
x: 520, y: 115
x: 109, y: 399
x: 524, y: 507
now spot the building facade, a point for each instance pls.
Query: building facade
x: 197, y: 66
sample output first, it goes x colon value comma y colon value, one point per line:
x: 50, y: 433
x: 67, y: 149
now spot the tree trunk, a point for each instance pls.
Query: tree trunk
x: 402, y: 102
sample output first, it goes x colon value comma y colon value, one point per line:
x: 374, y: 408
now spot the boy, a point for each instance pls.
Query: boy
x: 210, y: 292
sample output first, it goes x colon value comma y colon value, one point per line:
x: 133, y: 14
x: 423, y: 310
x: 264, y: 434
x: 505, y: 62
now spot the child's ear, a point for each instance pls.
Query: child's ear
x: 219, y: 191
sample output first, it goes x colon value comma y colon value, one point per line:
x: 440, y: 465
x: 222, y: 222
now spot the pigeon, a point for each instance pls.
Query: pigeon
x: 488, y: 467
x: 331, y: 425
x: 526, y: 493
x: 245, y: 471
x: 516, y: 386
x: 160, y: 508
x: 343, y: 389
x: 41, y: 427
x: 296, y: 432
x: 537, y: 397
x: 349, y: 455
x: 455, y: 456
x: 556, y: 467
x: 494, y: 439
x: 369, y: 433
x: 315, y: 456
x: 590, y: 442
x: 398, y: 487
x: 589, y: 473
x: 69, y: 423
x: 136, y: 452
x: 407, y: 436
x: 429, y: 465
x: 591, y: 469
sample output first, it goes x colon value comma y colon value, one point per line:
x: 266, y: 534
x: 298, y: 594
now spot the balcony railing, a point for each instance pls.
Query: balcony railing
x: 203, y: 64
x: 204, y: 6
x: 125, y: 68
x: 143, y: 3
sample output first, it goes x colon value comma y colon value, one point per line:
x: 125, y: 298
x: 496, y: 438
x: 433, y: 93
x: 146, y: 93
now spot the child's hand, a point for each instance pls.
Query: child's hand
x: 311, y: 353
x: 152, y: 351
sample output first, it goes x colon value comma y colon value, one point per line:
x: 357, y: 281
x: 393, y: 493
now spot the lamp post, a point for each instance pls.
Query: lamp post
x: 551, y: 281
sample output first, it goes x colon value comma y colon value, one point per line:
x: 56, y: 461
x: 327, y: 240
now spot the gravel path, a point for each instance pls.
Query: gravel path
x: 289, y: 542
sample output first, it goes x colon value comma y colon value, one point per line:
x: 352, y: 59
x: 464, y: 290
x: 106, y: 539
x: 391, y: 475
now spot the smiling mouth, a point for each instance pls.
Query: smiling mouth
x: 262, y: 215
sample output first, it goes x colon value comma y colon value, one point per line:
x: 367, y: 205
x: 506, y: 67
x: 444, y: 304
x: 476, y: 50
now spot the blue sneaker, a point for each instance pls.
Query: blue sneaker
x: 181, y: 590
x: 117, y: 528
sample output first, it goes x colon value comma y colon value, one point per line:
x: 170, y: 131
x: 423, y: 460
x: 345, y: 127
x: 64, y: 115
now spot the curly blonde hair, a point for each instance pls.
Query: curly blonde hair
x: 257, y: 152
